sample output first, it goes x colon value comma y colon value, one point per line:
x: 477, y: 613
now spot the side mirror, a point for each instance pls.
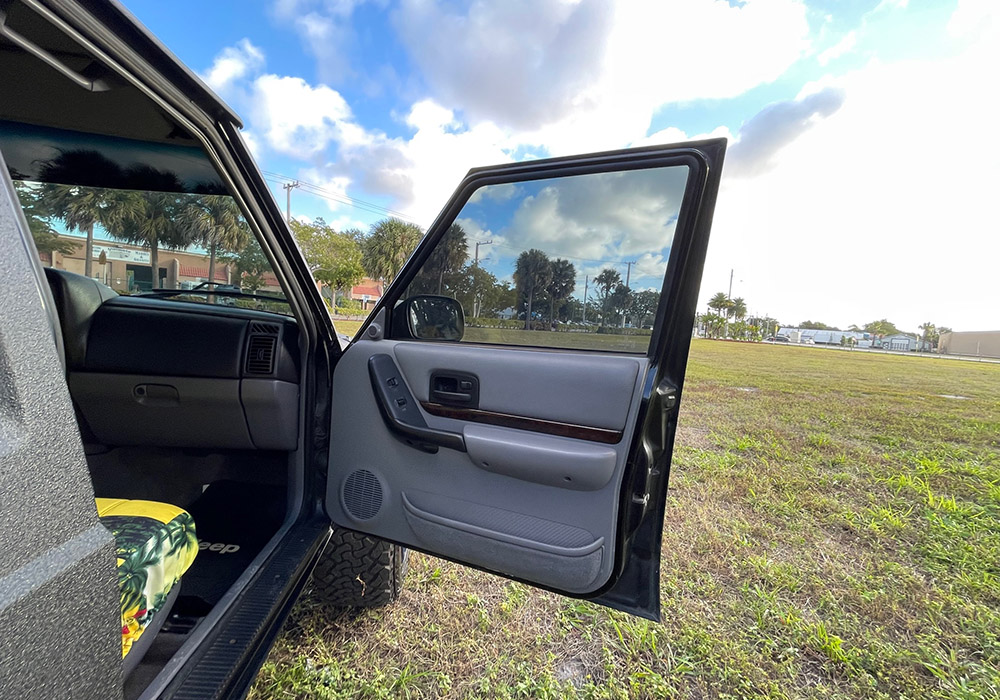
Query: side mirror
x: 434, y: 318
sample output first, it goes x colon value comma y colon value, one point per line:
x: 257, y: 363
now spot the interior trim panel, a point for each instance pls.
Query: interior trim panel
x: 506, y: 420
x: 551, y: 553
x: 540, y: 507
x: 543, y: 459
x: 574, y: 388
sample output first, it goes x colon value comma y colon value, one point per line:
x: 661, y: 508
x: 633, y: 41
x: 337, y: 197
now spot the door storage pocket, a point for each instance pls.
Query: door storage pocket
x: 541, y: 551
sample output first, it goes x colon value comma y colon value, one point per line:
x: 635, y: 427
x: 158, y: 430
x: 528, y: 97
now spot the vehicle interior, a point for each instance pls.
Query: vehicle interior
x: 188, y: 404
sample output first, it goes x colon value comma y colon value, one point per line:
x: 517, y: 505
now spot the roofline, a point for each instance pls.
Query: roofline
x: 128, y: 29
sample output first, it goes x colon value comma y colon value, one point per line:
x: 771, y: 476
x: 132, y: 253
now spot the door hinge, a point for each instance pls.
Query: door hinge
x: 668, y: 394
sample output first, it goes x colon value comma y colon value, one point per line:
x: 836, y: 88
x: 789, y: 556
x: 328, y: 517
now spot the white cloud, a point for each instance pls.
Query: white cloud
x: 420, y: 172
x: 761, y: 138
x: 233, y: 64
x: 845, y: 45
x: 600, y: 220
x: 325, y: 29
x: 296, y: 118
x: 591, y: 73
x: 868, y: 195
x: 883, y: 209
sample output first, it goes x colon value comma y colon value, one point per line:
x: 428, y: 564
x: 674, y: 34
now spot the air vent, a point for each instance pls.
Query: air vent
x: 260, y: 354
x: 362, y: 494
x: 265, y: 328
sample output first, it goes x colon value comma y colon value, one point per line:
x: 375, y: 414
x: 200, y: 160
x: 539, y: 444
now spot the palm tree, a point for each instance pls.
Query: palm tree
x: 607, y: 282
x: 722, y: 304
x: 448, y: 256
x: 561, y: 285
x: 36, y: 212
x: 739, y: 308
x: 150, y: 219
x: 80, y: 208
x: 388, y: 245
x: 928, y: 330
x: 79, y: 200
x: 532, y: 274
x: 217, y: 223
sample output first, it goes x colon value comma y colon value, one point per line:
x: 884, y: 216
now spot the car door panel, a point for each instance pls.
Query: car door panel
x: 543, y: 464
x: 556, y: 390
x: 543, y: 459
x: 484, y: 504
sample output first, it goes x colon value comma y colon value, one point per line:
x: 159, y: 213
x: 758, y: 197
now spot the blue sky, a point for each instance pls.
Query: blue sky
x: 849, y: 123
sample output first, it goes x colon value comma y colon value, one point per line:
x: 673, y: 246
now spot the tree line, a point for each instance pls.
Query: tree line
x: 138, y: 204
x: 728, y: 318
x: 153, y: 209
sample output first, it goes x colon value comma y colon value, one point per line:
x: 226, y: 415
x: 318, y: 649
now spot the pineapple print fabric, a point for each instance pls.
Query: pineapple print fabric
x: 156, y: 544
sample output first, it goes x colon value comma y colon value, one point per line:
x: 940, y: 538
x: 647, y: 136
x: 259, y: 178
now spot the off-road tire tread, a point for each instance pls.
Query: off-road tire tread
x: 359, y: 571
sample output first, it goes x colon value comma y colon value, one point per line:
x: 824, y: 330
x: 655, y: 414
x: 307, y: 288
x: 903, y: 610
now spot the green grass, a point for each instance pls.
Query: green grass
x: 833, y: 531
x: 546, y: 339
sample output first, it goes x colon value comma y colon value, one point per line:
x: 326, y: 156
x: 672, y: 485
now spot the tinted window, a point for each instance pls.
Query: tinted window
x: 572, y: 262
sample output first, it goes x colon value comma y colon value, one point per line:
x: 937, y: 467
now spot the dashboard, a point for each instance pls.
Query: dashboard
x: 163, y: 373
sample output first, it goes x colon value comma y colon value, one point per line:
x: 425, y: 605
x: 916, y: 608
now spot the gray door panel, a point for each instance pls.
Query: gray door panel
x: 491, y: 414
x: 544, y: 459
x: 537, y: 510
x: 564, y: 386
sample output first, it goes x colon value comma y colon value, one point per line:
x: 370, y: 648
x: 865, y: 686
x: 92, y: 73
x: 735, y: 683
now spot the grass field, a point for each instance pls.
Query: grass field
x: 833, y: 531
x: 507, y: 336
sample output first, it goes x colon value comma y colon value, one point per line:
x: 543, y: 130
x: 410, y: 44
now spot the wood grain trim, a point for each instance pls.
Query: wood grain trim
x: 536, y: 425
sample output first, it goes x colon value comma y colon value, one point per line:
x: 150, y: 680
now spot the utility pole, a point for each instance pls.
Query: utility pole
x: 586, y: 284
x: 730, y: 298
x: 628, y: 277
x: 288, y: 187
x: 479, y: 243
x: 475, y: 280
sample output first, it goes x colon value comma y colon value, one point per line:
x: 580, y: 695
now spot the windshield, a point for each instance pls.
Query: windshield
x: 172, y: 245
x: 143, y: 218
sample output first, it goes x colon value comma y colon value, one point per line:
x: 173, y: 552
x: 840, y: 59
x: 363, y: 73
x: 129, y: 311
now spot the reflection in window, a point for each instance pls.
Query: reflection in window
x: 575, y: 262
x: 153, y: 242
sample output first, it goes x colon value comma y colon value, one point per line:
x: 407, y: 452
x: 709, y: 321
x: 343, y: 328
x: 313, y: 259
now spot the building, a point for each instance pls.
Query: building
x: 799, y: 335
x: 975, y: 343
x: 368, y: 292
x: 128, y: 270
x: 903, y: 342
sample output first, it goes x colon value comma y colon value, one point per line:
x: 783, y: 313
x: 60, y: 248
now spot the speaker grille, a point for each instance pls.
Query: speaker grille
x: 362, y: 494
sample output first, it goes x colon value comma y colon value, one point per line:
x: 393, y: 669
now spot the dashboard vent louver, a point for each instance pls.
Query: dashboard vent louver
x: 265, y: 328
x: 260, y: 354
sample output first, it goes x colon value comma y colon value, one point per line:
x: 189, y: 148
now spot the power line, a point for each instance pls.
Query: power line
x: 324, y: 193
x: 340, y: 199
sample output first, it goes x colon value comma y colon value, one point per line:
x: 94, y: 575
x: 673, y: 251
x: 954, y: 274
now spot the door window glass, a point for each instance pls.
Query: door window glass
x: 570, y: 262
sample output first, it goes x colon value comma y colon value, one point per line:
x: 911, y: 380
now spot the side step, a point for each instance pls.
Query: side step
x: 229, y: 659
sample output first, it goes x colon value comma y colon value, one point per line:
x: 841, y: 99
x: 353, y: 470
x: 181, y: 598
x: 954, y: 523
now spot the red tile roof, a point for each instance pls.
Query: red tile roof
x: 362, y: 289
x: 195, y: 271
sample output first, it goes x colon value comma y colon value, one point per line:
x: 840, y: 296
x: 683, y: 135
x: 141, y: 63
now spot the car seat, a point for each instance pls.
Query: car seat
x: 155, y: 544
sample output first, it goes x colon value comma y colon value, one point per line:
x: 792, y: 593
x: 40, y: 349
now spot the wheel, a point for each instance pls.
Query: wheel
x: 359, y: 571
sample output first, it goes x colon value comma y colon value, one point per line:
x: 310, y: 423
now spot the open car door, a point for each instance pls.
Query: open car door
x: 515, y: 411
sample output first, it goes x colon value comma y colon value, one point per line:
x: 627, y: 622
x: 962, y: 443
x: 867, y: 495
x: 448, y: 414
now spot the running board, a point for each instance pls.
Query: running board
x: 227, y: 663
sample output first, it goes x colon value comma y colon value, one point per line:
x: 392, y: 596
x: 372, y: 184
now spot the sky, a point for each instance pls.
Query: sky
x: 863, y: 163
x: 594, y: 221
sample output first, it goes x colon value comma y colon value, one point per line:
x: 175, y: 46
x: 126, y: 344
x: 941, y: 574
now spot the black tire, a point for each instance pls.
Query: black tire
x: 359, y: 571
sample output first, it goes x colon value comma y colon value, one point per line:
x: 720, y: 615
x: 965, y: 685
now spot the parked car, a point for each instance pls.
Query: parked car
x: 173, y: 472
